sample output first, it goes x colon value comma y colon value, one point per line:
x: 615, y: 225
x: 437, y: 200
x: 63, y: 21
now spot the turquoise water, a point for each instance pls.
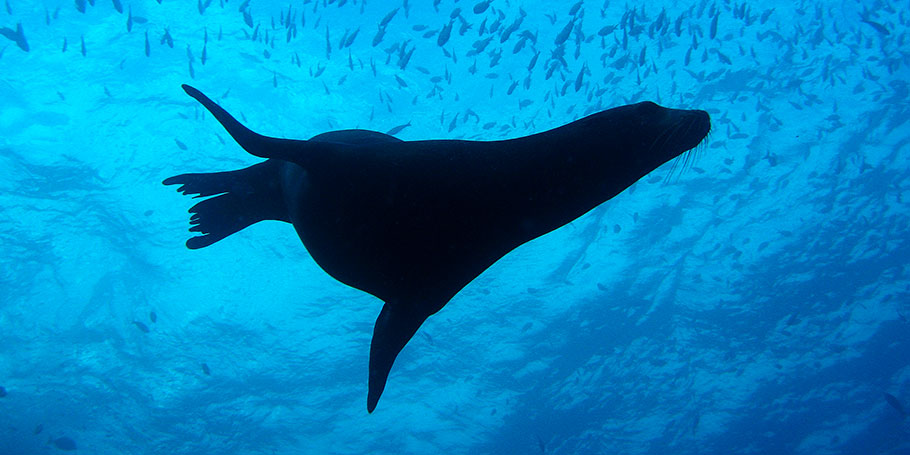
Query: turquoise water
x: 754, y: 301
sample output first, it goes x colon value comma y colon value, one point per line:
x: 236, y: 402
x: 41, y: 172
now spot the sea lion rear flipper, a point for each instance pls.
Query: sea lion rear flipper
x: 394, y: 328
x: 242, y: 198
x: 254, y: 143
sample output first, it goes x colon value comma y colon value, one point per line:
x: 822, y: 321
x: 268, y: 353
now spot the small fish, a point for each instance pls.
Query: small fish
x: 182, y: 146
x: 2, y: 391
x: 564, y: 34
x: 398, y: 129
x: 148, y: 47
x: 206, y: 370
x: 579, y: 81
x: 17, y: 36
x: 401, y: 82
x: 39, y: 429
x: 878, y: 27
x: 512, y: 87
x: 64, y: 443
x: 144, y: 328
x: 118, y: 6
x: 328, y: 44
x: 481, y: 7
x: 167, y: 38
x: 453, y: 123
x: 388, y: 18
x: 714, y: 26
x: 403, y: 61
x: 533, y: 61
x: 892, y: 400
x: 444, y: 34
x: 350, y: 40
x: 606, y: 30
x: 379, y: 35
x: 574, y: 10
x: 152, y: 316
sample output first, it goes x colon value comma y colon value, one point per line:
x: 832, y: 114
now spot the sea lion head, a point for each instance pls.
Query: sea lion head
x: 650, y: 135
x: 619, y: 146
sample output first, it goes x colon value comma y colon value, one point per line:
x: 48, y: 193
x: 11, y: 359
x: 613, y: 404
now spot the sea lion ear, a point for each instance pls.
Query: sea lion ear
x: 394, y: 327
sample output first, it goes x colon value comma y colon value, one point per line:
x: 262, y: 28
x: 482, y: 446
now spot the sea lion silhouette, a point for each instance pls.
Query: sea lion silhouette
x: 413, y: 222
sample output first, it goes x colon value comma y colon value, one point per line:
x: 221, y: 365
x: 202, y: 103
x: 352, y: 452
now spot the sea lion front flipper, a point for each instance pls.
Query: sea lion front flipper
x: 394, y: 327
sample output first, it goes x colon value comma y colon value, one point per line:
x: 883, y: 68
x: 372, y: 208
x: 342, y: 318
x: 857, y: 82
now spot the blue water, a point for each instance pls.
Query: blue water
x: 754, y: 301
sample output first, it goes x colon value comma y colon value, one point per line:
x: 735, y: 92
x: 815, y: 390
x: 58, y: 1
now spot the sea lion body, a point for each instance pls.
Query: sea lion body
x: 413, y: 222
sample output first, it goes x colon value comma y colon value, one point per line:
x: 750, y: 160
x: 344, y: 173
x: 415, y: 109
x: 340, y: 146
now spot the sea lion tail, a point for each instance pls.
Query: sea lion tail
x: 394, y: 328
x: 242, y: 198
x: 254, y: 143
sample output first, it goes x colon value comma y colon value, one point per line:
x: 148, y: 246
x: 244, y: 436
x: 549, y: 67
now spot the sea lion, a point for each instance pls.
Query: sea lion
x: 413, y: 222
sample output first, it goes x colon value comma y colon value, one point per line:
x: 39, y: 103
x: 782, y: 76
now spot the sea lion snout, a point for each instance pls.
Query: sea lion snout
x: 693, y: 127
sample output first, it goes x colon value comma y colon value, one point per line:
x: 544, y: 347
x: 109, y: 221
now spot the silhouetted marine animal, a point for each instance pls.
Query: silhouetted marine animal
x: 413, y: 222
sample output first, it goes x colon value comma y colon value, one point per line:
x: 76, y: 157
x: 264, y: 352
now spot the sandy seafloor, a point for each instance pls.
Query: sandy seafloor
x: 756, y: 301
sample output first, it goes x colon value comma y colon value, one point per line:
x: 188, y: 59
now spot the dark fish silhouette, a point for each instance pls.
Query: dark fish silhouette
x: 17, y: 36
x: 398, y: 129
x: 141, y: 326
x: 893, y: 401
x: 64, y: 443
x: 881, y: 29
x: 2, y: 391
x: 413, y: 222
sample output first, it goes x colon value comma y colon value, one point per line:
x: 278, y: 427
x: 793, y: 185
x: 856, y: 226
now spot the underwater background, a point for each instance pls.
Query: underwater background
x: 753, y: 300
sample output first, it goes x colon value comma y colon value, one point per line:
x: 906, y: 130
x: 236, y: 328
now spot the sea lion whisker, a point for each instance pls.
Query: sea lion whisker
x: 663, y: 136
x: 687, y: 164
x: 674, y: 162
x: 671, y: 134
x: 691, y: 155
